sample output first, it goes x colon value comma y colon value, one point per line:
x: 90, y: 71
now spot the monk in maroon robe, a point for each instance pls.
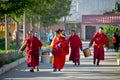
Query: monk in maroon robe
x: 32, y: 46
x: 60, y: 49
x: 98, y: 40
x: 76, y: 45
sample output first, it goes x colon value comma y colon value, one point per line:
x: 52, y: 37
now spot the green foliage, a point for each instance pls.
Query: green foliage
x: 109, y: 30
x: 2, y: 39
x: 118, y: 55
x: 12, y: 60
x: 2, y: 43
x: 13, y: 48
x: 50, y: 11
x: 117, y: 6
x: 14, y: 7
x: 58, y: 9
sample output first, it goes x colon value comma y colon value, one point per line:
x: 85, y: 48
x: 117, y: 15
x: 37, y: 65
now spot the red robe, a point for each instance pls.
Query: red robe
x: 60, y: 53
x: 75, y: 44
x: 32, y: 46
x: 98, y: 40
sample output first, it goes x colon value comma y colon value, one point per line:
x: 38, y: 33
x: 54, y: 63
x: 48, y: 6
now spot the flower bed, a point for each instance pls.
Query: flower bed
x: 9, y: 57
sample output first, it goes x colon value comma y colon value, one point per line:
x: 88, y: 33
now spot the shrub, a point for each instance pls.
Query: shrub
x: 109, y: 30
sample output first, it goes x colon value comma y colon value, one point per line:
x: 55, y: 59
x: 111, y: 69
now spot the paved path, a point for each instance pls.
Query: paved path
x: 108, y: 70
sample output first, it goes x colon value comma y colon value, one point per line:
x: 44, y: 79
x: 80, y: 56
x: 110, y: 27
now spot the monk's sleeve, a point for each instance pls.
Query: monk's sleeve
x: 68, y: 41
x: 65, y: 46
x: 80, y: 43
x: 93, y: 39
x: 40, y: 44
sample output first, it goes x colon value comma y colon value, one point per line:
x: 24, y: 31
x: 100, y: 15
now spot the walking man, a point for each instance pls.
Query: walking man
x: 75, y: 44
x: 98, y: 40
x: 32, y: 46
x: 117, y: 37
x: 60, y: 49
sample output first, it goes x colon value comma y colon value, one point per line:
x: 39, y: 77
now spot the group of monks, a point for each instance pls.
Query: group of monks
x: 60, y: 48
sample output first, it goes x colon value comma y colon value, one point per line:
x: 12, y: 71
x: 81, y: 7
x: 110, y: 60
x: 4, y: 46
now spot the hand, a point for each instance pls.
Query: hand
x: 52, y: 51
x: 81, y: 49
x: 20, y: 52
x: 90, y: 46
x: 59, y: 45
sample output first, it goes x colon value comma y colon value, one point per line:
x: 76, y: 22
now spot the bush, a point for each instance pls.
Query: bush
x: 12, y: 60
x: 109, y: 30
x: 2, y: 43
x: 2, y: 39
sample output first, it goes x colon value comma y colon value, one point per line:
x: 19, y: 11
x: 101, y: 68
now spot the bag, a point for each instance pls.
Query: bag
x: 113, y: 40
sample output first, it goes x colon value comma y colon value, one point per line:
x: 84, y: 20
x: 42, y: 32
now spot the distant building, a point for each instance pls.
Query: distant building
x: 86, y: 7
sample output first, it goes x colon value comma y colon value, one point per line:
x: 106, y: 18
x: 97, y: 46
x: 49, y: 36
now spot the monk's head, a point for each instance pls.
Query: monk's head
x: 31, y: 33
x: 100, y: 29
x: 73, y: 32
x: 58, y: 33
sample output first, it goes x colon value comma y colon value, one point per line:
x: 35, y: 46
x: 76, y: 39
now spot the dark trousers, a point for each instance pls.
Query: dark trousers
x: 116, y: 46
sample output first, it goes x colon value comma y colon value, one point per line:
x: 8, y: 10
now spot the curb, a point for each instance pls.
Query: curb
x: 7, y: 67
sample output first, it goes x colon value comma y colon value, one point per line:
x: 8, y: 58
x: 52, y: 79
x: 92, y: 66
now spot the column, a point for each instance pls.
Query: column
x: 83, y: 32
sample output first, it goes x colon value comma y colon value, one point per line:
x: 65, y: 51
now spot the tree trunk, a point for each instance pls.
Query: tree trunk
x: 24, y: 25
x: 32, y: 24
x: 17, y: 34
x: 39, y: 28
x: 6, y: 34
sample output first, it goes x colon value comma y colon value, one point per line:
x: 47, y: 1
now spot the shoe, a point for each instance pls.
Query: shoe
x: 97, y: 64
x: 75, y: 63
x: 94, y: 62
x: 78, y: 63
x: 31, y: 70
x: 59, y: 69
x: 37, y: 69
x: 54, y: 70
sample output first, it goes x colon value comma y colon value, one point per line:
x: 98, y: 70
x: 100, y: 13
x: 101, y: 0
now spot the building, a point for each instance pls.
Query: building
x: 86, y: 7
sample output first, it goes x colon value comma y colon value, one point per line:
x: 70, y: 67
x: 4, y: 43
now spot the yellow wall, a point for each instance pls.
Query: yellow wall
x: 2, y: 29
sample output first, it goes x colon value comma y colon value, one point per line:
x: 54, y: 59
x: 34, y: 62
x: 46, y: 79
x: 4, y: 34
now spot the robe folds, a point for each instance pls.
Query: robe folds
x: 75, y: 44
x: 59, y: 52
x: 99, y: 40
x: 32, y: 46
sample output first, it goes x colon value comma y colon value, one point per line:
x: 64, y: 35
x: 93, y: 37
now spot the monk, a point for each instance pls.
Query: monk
x: 98, y: 40
x: 76, y: 45
x: 60, y: 49
x: 32, y: 46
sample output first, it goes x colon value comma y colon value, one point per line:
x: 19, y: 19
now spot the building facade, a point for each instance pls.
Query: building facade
x: 86, y: 7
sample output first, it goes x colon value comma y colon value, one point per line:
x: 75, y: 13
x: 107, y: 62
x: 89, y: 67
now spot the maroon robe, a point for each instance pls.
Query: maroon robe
x: 60, y: 52
x: 32, y: 46
x: 98, y: 40
x: 75, y: 44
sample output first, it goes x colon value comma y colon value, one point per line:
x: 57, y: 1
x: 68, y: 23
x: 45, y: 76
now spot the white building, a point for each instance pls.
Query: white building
x: 83, y: 7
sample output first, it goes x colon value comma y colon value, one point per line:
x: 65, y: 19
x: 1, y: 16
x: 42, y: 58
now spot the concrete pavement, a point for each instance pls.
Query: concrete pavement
x: 108, y: 70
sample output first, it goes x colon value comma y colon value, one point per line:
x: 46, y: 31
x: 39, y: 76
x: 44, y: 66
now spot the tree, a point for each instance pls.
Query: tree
x: 50, y: 11
x: 9, y: 9
x: 58, y: 10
